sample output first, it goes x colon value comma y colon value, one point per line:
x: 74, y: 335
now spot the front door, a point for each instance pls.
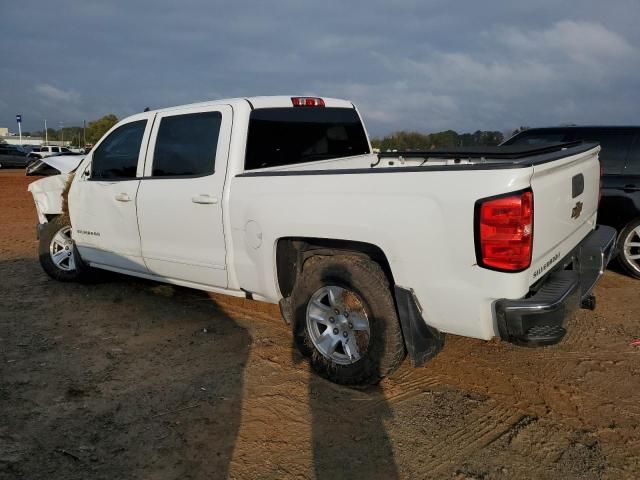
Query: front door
x: 102, y: 199
x: 180, y: 197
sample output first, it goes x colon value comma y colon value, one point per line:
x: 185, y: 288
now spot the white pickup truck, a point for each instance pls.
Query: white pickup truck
x: 370, y: 256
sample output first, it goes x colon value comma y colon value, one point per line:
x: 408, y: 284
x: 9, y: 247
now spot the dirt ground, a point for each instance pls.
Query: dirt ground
x: 132, y: 379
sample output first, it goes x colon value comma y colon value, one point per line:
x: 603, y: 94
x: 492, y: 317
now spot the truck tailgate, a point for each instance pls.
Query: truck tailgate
x: 565, y: 193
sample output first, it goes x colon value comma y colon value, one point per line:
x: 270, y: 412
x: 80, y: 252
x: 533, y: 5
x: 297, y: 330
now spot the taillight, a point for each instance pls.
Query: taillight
x: 307, y: 102
x: 504, y: 231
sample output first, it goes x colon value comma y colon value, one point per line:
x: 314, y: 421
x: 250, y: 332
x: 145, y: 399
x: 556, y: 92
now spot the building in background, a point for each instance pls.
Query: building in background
x: 13, y: 139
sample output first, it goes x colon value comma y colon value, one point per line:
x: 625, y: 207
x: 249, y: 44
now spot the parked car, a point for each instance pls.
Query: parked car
x: 370, y: 256
x: 47, y: 150
x: 620, y: 159
x: 11, y: 156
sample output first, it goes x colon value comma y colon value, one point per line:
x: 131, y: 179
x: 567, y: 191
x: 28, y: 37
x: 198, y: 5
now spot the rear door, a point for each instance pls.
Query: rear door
x: 102, y: 200
x: 180, y: 198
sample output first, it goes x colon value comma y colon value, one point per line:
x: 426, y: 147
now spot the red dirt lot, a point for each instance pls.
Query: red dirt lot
x: 132, y: 379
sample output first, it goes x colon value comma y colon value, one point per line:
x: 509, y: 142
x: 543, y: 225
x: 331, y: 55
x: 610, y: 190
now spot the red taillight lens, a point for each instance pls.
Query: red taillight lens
x: 504, y: 232
x: 307, y: 102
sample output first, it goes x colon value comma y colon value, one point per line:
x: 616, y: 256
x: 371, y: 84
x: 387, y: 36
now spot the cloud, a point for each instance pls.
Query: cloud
x: 49, y: 92
x: 409, y: 64
x: 580, y: 41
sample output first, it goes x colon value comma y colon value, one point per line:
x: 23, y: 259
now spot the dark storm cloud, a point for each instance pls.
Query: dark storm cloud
x: 408, y: 65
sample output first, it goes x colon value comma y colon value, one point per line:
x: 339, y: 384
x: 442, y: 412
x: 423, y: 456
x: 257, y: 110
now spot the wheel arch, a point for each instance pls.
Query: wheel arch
x: 293, y: 252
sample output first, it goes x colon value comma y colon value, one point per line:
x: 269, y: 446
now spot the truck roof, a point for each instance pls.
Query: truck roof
x: 275, y: 101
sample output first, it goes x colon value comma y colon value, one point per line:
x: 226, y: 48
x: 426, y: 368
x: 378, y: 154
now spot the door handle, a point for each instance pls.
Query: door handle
x: 123, y: 197
x: 204, y: 198
x: 629, y: 188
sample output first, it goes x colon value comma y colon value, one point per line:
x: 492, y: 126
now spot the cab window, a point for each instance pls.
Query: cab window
x: 186, y: 145
x: 286, y: 136
x: 117, y: 155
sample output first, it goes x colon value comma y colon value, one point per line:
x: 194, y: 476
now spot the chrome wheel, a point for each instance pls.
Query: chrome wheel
x: 631, y: 249
x: 338, y: 325
x: 61, y: 250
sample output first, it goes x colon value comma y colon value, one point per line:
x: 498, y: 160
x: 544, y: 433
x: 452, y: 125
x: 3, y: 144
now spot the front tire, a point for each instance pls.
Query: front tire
x: 58, y: 255
x: 345, y: 320
x: 629, y: 248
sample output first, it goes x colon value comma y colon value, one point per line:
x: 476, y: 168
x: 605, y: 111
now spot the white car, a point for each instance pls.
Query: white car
x: 280, y: 199
x: 47, y: 150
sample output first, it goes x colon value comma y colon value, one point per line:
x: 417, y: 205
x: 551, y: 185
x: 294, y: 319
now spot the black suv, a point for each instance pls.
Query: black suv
x: 620, y: 159
x: 12, y: 157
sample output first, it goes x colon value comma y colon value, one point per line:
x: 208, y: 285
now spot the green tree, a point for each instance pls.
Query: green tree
x: 404, y: 140
x: 97, y: 128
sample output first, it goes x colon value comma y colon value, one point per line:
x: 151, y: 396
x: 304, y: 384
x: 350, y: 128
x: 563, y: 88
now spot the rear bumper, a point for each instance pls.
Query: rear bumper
x: 540, y: 318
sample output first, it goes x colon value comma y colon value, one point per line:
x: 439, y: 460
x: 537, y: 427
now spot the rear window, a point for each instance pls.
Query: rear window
x: 615, y: 147
x: 633, y: 159
x: 286, y: 136
x: 534, y: 139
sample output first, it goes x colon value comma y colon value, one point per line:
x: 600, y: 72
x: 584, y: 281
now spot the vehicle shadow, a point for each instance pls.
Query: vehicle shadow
x: 348, y: 432
x: 123, y: 379
x: 349, y: 437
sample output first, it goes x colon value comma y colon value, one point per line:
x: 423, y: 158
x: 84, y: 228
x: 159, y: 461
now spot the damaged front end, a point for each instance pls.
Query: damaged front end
x: 49, y: 193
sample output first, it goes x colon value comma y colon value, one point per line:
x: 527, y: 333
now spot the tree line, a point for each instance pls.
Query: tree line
x: 78, y: 136
x: 407, y: 140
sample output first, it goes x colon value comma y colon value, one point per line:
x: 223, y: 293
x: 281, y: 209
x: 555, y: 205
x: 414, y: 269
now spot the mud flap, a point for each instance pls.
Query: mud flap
x: 422, y: 341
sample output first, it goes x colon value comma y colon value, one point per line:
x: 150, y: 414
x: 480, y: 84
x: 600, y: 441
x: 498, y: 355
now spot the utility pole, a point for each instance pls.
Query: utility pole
x: 46, y: 134
x: 84, y: 133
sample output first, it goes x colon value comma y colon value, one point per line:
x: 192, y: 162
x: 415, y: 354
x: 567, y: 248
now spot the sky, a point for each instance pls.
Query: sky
x: 424, y: 65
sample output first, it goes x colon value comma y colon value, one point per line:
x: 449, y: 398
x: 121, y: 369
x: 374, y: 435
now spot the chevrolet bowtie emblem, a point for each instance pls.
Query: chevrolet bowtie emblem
x: 577, y: 210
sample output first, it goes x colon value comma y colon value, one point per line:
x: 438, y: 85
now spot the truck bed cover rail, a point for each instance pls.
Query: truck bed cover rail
x: 526, y: 153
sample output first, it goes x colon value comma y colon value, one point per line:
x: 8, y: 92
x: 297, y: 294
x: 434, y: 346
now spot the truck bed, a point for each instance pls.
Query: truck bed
x: 463, y: 158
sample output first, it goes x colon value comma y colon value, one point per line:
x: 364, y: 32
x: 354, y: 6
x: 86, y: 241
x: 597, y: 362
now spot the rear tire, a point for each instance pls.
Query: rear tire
x: 629, y: 248
x: 345, y: 320
x: 58, y: 254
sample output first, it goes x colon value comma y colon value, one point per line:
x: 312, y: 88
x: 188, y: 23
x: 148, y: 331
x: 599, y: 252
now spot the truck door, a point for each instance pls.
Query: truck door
x: 180, y: 197
x: 102, y: 200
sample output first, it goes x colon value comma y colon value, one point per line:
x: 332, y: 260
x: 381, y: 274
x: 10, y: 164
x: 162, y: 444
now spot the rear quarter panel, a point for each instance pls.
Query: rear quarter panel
x: 423, y: 222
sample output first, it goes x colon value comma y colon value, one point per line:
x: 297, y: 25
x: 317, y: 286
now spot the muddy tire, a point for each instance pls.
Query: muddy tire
x: 345, y: 320
x: 58, y: 255
x: 629, y: 248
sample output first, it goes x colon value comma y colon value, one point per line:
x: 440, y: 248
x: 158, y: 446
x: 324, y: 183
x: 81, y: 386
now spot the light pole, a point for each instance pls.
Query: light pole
x: 61, y: 134
x: 19, y: 120
x: 46, y: 133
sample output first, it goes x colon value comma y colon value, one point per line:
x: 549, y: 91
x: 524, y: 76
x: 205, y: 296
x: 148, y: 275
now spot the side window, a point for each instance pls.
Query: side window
x: 186, y: 145
x: 615, y: 147
x: 117, y: 155
x: 65, y: 150
x: 633, y: 159
x: 55, y: 149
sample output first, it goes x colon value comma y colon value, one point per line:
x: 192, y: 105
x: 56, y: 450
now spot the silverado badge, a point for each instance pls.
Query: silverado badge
x: 577, y: 210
